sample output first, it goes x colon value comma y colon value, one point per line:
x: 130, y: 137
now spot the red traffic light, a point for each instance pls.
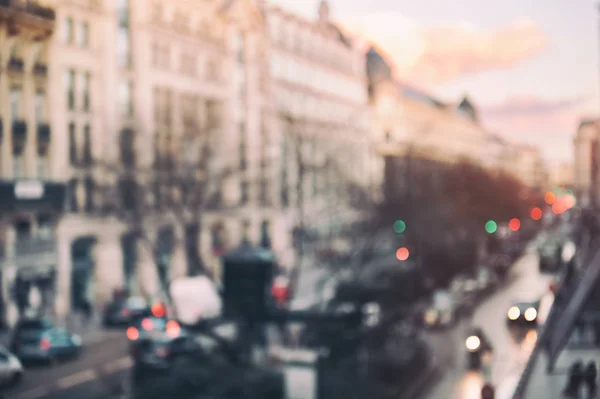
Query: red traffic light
x: 514, y: 224
x: 402, y: 253
x: 536, y: 213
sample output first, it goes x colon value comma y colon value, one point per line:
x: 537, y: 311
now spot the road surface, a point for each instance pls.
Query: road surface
x: 511, y: 346
x: 96, y: 373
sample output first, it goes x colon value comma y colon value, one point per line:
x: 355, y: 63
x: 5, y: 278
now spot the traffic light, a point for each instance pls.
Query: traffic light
x: 536, y: 213
x: 247, y: 277
x: 402, y: 253
x: 514, y: 224
x: 491, y: 226
x: 399, y: 226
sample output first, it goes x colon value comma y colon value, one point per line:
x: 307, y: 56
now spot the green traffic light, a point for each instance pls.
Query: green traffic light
x: 399, y: 226
x: 491, y: 227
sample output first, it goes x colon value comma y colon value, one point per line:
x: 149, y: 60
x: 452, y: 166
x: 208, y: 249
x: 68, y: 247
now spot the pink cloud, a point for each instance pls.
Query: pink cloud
x: 452, y: 52
x: 431, y: 56
x: 534, y: 116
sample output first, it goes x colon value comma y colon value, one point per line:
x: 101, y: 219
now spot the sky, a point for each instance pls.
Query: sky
x: 531, y: 67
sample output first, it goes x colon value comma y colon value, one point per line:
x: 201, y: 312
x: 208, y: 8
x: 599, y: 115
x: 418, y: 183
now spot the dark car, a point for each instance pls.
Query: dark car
x: 155, y: 343
x: 122, y: 311
x: 549, y: 254
x: 38, y: 339
x: 524, y: 312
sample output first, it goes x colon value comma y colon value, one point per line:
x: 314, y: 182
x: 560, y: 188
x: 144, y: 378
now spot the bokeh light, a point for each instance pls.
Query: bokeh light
x: 558, y: 207
x: 399, y: 226
x: 536, y: 213
x: 550, y: 197
x: 514, y: 224
x: 402, y: 253
x: 491, y: 226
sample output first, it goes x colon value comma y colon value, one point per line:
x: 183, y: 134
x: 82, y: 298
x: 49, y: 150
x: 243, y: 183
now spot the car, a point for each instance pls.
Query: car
x: 121, y: 311
x: 523, y: 312
x: 38, y: 339
x: 155, y: 344
x: 11, y: 369
x: 441, y: 312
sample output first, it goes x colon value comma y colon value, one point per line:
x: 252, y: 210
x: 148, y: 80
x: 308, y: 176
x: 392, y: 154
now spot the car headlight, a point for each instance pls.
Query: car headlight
x: 530, y: 314
x: 472, y: 343
x: 514, y: 313
x: 76, y: 340
x: 430, y: 317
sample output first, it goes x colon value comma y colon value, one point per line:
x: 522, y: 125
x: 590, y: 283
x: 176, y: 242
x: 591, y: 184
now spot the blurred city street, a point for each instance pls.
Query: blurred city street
x: 511, y: 346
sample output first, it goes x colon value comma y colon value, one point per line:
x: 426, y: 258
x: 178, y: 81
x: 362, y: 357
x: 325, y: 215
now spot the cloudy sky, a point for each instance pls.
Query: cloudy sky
x: 530, y: 66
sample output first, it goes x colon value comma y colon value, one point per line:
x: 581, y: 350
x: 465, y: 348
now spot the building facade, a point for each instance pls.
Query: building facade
x: 320, y: 111
x: 30, y: 186
x: 121, y: 85
x: 586, y: 162
x: 406, y: 120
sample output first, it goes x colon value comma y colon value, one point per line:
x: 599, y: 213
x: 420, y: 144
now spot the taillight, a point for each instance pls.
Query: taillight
x: 158, y: 310
x: 173, y: 329
x: 147, y: 324
x: 45, y: 344
x: 132, y: 333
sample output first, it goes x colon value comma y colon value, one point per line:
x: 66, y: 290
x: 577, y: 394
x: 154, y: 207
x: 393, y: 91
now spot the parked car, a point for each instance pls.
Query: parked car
x: 38, y: 339
x: 122, y: 311
x: 441, y: 312
x: 11, y: 369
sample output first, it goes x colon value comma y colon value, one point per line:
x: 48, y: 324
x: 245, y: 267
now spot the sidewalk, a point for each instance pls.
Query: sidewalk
x: 551, y: 386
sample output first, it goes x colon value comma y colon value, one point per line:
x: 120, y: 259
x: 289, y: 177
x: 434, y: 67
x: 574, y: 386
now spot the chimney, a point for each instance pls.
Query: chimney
x: 324, y: 12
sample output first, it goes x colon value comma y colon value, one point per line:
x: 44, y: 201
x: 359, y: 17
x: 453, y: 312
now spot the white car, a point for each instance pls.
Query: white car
x: 441, y: 311
x: 11, y: 369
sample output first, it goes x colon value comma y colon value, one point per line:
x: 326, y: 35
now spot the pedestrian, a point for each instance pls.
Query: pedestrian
x: 575, y: 379
x: 88, y: 311
x: 591, y: 375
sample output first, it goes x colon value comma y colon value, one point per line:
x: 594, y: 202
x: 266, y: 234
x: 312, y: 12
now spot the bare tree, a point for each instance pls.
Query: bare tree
x: 174, y: 187
x: 341, y: 190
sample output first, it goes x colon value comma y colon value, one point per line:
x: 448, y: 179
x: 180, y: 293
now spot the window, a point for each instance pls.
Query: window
x: 242, y: 148
x: 246, y: 231
x: 87, y: 145
x: 40, y: 105
x: 239, y: 48
x: 18, y: 170
x: 86, y: 91
x: 265, y: 234
x: 127, y: 147
x: 72, y: 195
x: 264, y: 192
x: 125, y: 100
x: 70, y: 83
x: 123, y: 48
x: 42, y: 165
x: 69, y: 30
x: 15, y: 102
x: 72, y: 144
x: 244, y: 193
x: 89, y: 189
x: 83, y: 34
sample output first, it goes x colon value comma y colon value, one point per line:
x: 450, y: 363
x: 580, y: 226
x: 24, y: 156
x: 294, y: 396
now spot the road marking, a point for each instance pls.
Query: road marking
x: 34, y: 393
x: 117, y: 365
x: 76, y: 379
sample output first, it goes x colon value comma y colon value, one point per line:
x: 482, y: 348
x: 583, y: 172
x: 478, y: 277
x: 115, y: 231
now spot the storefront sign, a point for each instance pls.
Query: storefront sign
x: 29, y: 190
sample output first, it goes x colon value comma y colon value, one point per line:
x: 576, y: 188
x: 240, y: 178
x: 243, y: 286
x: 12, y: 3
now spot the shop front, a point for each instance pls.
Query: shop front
x: 29, y: 213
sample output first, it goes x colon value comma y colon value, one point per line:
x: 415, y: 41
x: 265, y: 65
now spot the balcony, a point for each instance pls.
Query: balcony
x: 28, y: 17
x: 43, y: 133
x: 15, y: 65
x: 40, y: 70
